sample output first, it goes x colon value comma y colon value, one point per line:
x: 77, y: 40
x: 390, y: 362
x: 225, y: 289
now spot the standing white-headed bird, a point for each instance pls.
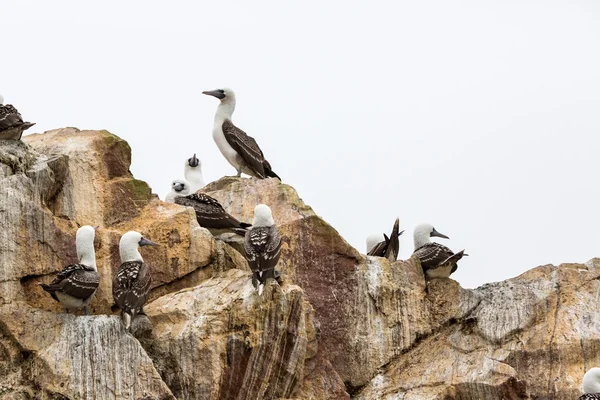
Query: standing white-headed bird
x: 239, y: 149
x: 11, y: 122
x: 193, y: 173
x: 263, y: 246
x: 389, y: 247
x: 437, y: 260
x: 132, y: 282
x: 75, y: 286
x: 591, y: 384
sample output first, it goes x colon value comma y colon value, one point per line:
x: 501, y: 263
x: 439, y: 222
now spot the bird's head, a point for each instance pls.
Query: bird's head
x: 226, y: 95
x: 263, y: 216
x: 193, y: 162
x: 181, y: 187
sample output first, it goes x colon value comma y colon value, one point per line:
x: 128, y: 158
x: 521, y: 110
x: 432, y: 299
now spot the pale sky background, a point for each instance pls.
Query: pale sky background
x: 480, y: 117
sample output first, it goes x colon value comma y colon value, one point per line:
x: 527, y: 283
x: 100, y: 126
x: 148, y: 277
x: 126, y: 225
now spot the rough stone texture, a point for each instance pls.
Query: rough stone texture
x: 341, y: 324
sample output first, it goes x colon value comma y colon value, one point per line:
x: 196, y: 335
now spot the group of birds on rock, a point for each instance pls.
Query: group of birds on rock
x: 75, y: 286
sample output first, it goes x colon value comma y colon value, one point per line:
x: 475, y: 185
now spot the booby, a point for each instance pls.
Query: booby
x: 193, y: 173
x: 591, y: 384
x: 179, y: 187
x: 262, y: 245
x: 75, y: 286
x: 11, y: 122
x: 389, y: 247
x: 239, y: 149
x: 437, y: 260
x: 210, y: 214
x: 132, y: 282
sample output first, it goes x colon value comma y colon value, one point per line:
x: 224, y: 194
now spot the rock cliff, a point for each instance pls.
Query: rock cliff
x: 340, y: 326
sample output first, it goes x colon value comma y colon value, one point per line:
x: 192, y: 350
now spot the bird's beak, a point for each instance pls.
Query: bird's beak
x: 146, y: 242
x: 178, y: 187
x: 214, y: 93
x: 436, y: 233
x: 194, y: 162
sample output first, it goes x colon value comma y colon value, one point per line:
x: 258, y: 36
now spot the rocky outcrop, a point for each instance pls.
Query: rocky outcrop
x: 340, y: 325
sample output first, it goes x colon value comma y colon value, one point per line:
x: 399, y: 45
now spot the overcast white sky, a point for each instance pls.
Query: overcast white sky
x: 480, y: 117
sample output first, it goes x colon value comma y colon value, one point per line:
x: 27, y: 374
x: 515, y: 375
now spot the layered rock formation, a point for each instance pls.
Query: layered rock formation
x: 341, y: 325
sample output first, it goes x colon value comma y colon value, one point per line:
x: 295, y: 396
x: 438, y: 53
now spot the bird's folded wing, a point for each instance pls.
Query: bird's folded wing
x: 246, y: 147
x: 9, y: 117
x: 433, y: 254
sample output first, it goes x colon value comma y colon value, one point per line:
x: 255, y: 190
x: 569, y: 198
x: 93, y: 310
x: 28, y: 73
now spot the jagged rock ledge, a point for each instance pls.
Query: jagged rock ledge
x: 341, y: 325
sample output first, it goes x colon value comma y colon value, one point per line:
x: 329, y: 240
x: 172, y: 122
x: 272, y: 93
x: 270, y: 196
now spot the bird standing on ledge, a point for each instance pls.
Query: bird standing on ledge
x: 239, y: 149
x: 193, y: 173
x: 132, y: 282
x: 437, y: 260
x: 11, y: 122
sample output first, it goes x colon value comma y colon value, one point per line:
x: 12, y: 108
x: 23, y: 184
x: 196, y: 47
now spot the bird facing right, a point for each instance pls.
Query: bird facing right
x: 591, y: 384
x: 11, y: 122
x: 132, y: 282
x: 437, y: 260
x: 263, y: 246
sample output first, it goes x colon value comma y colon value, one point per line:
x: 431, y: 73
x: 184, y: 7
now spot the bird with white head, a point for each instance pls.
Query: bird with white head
x: 591, y: 384
x: 262, y: 246
x: 75, y: 286
x: 193, y: 173
x: 132, y: 282
x: 437, y: 260
x: 179, y: 187
x: 239, y: 149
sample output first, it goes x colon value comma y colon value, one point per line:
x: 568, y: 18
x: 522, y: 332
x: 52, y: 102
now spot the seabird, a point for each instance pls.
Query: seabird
x: 239, y: 149
x: 193, y: 173
x: 263, y: 246
x: 389, y: 247
x: 132, y: 282
x: 591, y: 384
x: 437, y: 260
x: 11, y: 122
x: 179, y: 187
x: 74, y: 287
x: 210, y: 214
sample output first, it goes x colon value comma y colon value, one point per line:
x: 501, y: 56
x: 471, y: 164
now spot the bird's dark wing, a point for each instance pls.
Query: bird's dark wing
x: 378, y: 250
x: 263, y: 247
x: 590, y: 396
x: 9, y: 117
x: 433, y: 255
x: 393, y: 243
x: 131, y: 285
x: 76, y: 280
x: 246, y: 147
x: 209, y: 213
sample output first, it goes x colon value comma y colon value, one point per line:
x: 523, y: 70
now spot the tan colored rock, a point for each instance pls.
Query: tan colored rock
x: 82, y: 357
x: 221, y: 340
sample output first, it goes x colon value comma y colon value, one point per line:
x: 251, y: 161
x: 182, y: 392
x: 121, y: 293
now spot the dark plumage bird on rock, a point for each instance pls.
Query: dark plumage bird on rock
x: 263, y: 246
x: 239, y: 149
x: 11, y: 122
x: 437, y: 260
x: 389, y: 247
x: 75, y: 286
x: 132, y: 282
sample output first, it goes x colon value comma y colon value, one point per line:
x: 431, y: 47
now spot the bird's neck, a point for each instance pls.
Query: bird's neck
x: 225, y: 111
x: 130, y: 253
x: 87, y: 257
x: 420, y: 240
x: 195, y: 177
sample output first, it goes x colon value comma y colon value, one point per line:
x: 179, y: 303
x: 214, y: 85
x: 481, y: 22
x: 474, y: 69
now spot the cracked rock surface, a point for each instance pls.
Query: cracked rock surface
x: 340, y: 326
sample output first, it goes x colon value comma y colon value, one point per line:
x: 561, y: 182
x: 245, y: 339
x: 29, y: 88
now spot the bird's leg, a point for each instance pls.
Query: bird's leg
x: 239, y: 171
x: 85, y: 311
x: 67, y: 310
x: 141, y: 312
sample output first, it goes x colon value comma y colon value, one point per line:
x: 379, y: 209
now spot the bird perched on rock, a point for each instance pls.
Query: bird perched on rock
x: 437, y: 260
x: 591, y: 384
x: 11, y: 122
x: 179, y: 187
x: 210, y: 214
x: 239, y: 149
x: 75, y: 286
x: 193, y: 173
x: 263, y: 246
x: 132, y: 282
x: 389, y: 247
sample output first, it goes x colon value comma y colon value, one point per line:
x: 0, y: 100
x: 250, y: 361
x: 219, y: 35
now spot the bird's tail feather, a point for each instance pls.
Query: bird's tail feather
x: 27, y: 125
x: 127, y: 320
x: 48, y: 288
